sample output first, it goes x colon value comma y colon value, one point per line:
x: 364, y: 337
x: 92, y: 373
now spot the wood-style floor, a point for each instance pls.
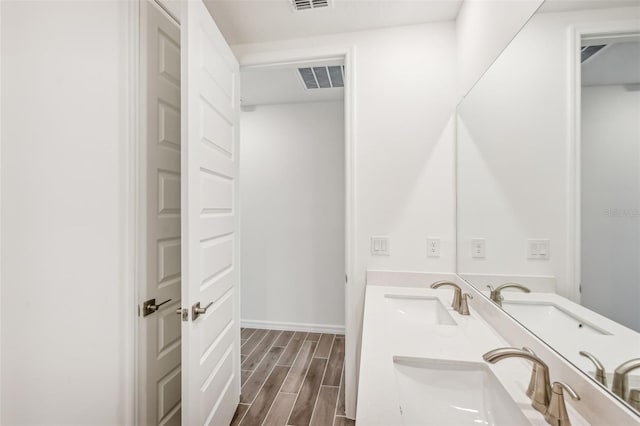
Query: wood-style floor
x: 291, y: 379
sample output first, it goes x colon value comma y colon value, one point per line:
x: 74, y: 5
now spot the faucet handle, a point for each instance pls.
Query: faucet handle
x: 464, y: 305
x: 556, y: 414
x: 495, y: 295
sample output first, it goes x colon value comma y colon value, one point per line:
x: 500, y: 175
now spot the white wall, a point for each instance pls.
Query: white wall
x: 514, y: 151
x: 292, y: 201
x: 610, y: 174
x: 405, y: 96
x: 64, y: 83
x: 483, y: 29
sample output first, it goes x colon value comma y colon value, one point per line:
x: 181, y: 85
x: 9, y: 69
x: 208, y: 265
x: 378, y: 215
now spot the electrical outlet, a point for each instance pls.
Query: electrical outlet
x: 538, y: 249
x: 433, y: 247
x: 380, y: 246
x: 478, y: 248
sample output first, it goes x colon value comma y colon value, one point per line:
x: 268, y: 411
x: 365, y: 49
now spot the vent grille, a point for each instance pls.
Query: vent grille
x: 309, y: 4
x: 322, y: 77
x: 589, y: 51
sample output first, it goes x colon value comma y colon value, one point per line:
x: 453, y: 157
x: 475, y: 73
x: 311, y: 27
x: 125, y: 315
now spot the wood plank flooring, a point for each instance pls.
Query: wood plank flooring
x: 291, y: 379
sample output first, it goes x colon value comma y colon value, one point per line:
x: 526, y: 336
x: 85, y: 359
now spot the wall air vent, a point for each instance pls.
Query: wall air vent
x: 588, y: 51
x: 309, y: 4
x: 322, y: 77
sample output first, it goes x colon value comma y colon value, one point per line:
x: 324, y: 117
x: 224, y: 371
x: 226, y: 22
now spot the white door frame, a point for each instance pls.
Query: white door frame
x: 276, y: 58
x: 134, y: 221
x: 574, y: 154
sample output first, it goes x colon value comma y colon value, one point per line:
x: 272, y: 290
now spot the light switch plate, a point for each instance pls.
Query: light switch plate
x: 380, y: 246
x: 433, y: 247
x: 538, y: 249
x: 478, y: 248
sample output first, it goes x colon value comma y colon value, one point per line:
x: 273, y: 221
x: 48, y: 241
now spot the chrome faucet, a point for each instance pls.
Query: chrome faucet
x: 497, y: 297
x: 620, y: 384
x: 541, y: 388
x: 457, y: 292
x: 600, y: 374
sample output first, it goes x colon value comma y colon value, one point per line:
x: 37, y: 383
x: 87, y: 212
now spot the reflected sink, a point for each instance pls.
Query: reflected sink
x: 419, y: 309
x: 545, y: 318
x: 439, y: 392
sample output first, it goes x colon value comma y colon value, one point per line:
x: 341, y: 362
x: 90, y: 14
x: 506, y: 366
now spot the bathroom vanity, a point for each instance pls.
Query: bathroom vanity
x: 422, y: 361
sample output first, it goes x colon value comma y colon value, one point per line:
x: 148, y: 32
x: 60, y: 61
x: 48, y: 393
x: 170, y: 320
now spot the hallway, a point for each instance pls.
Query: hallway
x: 291, y: 378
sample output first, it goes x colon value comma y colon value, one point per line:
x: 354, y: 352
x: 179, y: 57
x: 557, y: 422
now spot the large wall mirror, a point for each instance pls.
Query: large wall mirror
x: 548, y: 186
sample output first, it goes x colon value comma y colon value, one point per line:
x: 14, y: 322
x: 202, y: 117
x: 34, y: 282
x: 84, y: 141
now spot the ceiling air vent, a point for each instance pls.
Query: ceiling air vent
x: 322, y: 77
x: 588, y: 51
x: 309, y: 4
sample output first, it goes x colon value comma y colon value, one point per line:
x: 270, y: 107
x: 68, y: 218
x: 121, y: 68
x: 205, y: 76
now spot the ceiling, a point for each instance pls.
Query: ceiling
x: 567, y: 5
x: 282, y: 84
x: 256, y: 21
x: 617, y: 63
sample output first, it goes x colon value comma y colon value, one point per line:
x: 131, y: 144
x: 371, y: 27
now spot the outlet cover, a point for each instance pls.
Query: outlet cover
x: 433, y: 247
x: 380, y: 246
x: 538, y: 249
x: 478, y: 248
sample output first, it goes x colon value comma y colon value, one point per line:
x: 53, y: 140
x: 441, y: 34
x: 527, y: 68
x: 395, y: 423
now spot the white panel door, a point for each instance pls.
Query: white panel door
x: 160, y: 354
x: 210, y: 112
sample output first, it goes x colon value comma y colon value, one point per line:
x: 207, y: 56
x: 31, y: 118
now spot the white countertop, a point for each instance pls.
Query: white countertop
x: 383, y: 338
x: 620, y: 345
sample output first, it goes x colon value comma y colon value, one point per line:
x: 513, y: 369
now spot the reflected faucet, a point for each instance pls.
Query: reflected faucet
x: 620, y: 384
x: 541, y: 388
x: 457, y: 292
x: 600, y: 374
x: 497, y: 297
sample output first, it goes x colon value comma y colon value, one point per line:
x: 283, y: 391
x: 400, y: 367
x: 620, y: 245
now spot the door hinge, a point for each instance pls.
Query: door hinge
x: 346, y: 279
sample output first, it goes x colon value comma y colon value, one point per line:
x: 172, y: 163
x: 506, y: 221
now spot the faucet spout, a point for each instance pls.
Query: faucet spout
x: 457, y: 292
x: 496, y: 294
x: 541, y: 388
x: 600, y: 374
x: 620, y: 384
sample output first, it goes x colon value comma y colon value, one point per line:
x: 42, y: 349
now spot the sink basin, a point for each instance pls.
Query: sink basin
x: 547, y: 319
x: 424, y: 310
x: 438, y: 392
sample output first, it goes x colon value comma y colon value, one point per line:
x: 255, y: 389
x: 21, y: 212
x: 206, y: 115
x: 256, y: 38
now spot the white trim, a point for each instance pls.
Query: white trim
x: 130, y: 240
x: 293, y: 326
x: 0, y: 210
x: 576, y: 34
x: 276, y: 58
x: 171, y: 7
x: 352, y: 331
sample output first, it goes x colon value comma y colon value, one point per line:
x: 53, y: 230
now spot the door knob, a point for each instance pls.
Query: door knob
x: 150, y: 306
x: 196, y: 310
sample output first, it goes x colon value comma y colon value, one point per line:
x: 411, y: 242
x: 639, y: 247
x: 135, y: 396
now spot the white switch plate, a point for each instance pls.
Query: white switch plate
x: 433, y: 247
x: 478, y: 248
x: 380, y: 246
x: 538, y: 249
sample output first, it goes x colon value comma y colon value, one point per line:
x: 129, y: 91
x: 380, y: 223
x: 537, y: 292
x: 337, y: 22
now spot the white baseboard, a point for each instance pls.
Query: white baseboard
x: 293, y: 326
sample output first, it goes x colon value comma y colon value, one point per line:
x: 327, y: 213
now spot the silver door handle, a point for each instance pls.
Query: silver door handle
x: 196, y: 310
x: 150, y: 306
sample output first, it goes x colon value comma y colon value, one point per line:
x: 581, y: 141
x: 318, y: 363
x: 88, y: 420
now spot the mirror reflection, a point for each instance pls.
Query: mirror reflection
x: 549, y: 186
